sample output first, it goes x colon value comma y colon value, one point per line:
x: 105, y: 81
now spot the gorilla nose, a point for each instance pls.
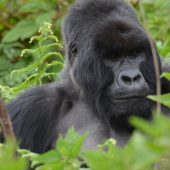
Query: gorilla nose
x: 129, y: 79
x: 132, y: 80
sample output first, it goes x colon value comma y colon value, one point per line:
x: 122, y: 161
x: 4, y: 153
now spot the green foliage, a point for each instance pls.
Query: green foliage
x: 164, y: 99
x: 18, y: 22
x: 6, y: 92
x: 24, y: 29
x: 48, y: 63
x: 65, y: 156
x: 166, y: 75
x: 9, y: 159
x: 46, y: 57
x: 157, y: 16
x: 148, y: 148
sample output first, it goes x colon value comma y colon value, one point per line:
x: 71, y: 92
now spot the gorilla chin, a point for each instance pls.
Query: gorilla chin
x: 122, y: 105
x: 109, y: 71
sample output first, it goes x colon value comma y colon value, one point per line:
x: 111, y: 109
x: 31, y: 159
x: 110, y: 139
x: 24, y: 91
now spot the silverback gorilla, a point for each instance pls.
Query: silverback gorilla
x: 108, y: 74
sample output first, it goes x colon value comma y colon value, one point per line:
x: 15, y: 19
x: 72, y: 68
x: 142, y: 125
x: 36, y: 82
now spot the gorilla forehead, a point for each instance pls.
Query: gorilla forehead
x: 119, y: 34
x: 92, y: 15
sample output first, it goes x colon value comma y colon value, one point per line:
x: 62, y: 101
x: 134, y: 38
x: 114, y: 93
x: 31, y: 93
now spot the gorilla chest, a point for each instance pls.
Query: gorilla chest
x: 79, y: 116
x: 84, y: 120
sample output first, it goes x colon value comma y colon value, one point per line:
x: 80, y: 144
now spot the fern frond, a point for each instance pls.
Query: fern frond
x: 29, y: 51
x: 35, y: 38
x: 51, y: 37
x: 46, y: 60
x: 54, y: 64
x: 55, y: 55
x: 31, y: 68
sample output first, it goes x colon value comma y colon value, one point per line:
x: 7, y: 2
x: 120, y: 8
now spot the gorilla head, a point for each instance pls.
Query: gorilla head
x: 110, y: 59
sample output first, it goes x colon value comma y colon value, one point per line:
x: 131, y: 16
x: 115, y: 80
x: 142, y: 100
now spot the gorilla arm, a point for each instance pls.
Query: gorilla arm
x: 34, y: 117
x: 41, y: 114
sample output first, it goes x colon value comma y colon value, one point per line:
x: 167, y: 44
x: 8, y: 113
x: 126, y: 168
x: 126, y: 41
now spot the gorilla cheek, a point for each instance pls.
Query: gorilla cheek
x: 80, y: 76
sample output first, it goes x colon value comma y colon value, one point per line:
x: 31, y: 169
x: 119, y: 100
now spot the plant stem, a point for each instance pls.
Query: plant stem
x: 6, y: 122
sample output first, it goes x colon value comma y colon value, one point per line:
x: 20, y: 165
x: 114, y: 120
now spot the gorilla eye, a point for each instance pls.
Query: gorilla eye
x: 73, y: 49
x: 135, y: 52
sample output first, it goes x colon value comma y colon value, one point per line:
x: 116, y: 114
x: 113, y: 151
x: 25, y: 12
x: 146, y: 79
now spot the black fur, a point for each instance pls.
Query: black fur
x: 97, y: 33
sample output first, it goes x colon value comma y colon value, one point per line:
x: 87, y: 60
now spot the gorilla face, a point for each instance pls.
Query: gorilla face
x: 126, y: 54
x: 110, y: 59
x: 123, y: 55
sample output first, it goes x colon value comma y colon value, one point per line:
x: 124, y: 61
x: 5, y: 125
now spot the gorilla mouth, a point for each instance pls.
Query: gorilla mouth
x: 129, y: 97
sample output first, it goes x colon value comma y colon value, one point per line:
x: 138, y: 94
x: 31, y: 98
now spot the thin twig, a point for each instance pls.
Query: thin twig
x: 158, y: 81
x: 6, y: 122
x: 155, y: 59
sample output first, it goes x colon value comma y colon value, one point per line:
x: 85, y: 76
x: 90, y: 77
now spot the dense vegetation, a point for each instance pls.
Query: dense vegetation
x: 41, y: 61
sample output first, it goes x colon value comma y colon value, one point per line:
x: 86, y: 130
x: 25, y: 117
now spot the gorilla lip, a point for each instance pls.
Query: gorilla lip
x: 130, y: 97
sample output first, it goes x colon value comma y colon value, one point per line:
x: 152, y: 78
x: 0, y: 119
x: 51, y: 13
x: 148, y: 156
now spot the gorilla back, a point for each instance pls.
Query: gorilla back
x: 108, y: 74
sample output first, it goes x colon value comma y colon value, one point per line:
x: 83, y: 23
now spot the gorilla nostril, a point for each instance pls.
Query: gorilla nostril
x: 137, y: 78
x: 127, y: 80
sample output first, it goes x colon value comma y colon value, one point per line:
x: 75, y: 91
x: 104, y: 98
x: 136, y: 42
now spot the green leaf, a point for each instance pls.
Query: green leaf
x: 164, y: 99
x: 71, y: 145
x: 22, y: 30
x: 5, y: 65
x: 160, y: 126
x: 138, y: 146
x: 98, y: 160
x: 166, y: 75
x: 34, y: 6
x: 144, y: 126
x: 57, y: 166
x: 7, y: 159
x: 45, y: 17
x: 49, y: 157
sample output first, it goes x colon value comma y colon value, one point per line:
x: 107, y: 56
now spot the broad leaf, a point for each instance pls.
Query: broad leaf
x: 164, y: 99
x: 24, y: 29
